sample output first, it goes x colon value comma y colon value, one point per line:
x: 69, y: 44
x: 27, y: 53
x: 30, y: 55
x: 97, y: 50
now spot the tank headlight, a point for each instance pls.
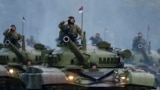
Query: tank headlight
x: 11, y: 71
x: 123, y: 77
x: 70, y: 77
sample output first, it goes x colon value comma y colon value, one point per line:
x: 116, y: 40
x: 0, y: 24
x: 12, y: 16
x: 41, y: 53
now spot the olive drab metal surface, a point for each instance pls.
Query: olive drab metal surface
x: 71, y: 66
x: 99, y: 67
x: 148, y: 60
x: 8, y: 82
x: 37, y: 76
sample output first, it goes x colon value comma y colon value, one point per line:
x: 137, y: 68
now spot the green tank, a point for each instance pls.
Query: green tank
x: 146, y: 59
x: 8, y: 81
x: 11, y: 54
x: 77, y: 67
x: 17, y: 60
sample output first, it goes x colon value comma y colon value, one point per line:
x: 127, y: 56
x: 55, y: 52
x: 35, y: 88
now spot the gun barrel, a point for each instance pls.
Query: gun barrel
x: 15, y: 50
x: 73, y: 47
x: 125, y: 53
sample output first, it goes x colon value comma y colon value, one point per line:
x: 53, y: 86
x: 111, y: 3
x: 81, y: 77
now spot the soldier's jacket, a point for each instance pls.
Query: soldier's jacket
x: 139, y: 41
x: 95, y: 40
x: 12, y: 34
x: 74, y: 28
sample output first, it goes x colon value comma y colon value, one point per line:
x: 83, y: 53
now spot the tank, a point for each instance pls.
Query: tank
x: 17, y: 60
x: 11, y: 54
x: 80, y: 68
x: 146, y: 59
x: 9, y: 82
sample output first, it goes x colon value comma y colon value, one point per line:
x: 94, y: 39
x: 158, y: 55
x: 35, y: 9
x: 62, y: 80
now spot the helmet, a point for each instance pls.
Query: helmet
x: 71, y: 17
x: 13, y: 26
x: 139, y: 33
x: 69, y: 21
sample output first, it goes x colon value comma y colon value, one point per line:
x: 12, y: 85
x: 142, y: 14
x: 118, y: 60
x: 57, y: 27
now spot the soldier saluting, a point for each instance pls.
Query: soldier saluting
x: 13, y: 36
x: 70, y: 29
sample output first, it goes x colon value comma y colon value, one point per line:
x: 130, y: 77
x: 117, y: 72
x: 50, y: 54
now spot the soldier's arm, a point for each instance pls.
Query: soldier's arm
x: 20, y: 37
x: 79, y: 31
x: 5, y: 32
x: 62, y: 25
x: 134, y: 39
x: 145, y: 42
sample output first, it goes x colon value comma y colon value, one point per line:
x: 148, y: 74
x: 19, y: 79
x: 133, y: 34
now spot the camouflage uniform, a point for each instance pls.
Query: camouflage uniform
x: 138, y: 41
x: 13, y: 36
x: 71, y: 30
x: 96, y: 39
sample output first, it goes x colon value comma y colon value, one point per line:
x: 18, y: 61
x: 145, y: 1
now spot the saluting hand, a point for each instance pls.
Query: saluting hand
x: 10, y: 28
x: 66, y: 20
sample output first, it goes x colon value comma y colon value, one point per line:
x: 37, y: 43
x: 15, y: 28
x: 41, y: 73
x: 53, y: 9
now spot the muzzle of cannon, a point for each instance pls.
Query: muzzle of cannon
x: 125, y: 53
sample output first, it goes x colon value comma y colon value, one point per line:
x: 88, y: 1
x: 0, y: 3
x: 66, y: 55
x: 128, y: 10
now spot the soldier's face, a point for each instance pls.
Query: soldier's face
x: 139, y: 35
x: 72, y: 20
x: 13, y: 28
x: 29, y: 63
x: 97, y: 35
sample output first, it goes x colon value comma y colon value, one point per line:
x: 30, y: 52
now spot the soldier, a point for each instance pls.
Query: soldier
x: 96, y: 39
x: 139, y: 42
x: 70, y: 29
x: 93, y: 67
x: 29, y: 63
x: 13, y: 36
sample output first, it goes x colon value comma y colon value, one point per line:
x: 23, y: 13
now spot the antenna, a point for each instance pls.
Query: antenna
x: 23, y: 40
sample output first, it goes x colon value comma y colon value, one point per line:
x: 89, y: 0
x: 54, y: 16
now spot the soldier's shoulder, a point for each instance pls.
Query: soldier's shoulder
x: 76, y: 26
x: 143, y: 40
x: 135, y: 38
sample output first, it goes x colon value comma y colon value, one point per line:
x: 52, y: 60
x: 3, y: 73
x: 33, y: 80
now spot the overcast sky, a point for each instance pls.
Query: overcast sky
x: 118, y: 21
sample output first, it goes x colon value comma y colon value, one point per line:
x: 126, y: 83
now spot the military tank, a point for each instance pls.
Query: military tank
x: 16, y: 60
x: 74, y: 67
x: 9, y: 82
x: 146, y: 59
x: 11, y: 54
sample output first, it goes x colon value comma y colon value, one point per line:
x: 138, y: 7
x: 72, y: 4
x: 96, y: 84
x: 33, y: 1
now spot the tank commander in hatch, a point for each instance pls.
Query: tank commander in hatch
x: 96, y: 39
x: 139, y: 42
x: 69, y: 28
x: 13, y: 36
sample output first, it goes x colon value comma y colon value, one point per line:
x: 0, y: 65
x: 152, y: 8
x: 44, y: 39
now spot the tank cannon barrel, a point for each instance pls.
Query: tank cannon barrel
x: 15, y: 50
x: 125, y: 53
x: 73, y: 47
